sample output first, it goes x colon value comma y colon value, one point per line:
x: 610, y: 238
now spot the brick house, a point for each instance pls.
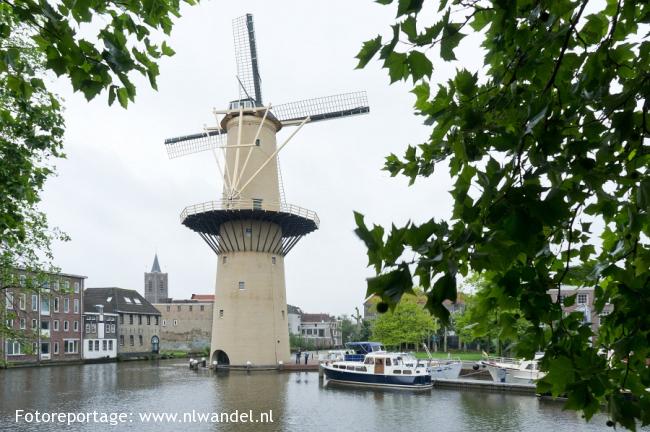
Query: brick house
x: 45, y: 316
x: 186, y: 324
x: 138, y: 321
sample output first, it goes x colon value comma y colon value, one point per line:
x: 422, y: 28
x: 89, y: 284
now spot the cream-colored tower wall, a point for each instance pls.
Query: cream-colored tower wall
x: 265, y: 185
x: 250, y: 316
x: 250, y: 319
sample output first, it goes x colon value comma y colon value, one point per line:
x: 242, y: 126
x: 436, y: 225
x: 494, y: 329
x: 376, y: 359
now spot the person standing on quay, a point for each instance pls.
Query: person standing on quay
x: 306, y: 357
x: 298, y: 357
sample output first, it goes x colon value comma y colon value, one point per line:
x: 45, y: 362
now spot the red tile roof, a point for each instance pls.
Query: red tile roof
x: 203, y: 297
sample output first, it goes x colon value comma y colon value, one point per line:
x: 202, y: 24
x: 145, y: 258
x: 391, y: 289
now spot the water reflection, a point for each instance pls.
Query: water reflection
x: 299, y: 401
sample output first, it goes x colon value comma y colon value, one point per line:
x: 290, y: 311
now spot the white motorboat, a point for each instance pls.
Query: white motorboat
x: 445, y: 369
x: 381, y: 369
x: 510, y: 370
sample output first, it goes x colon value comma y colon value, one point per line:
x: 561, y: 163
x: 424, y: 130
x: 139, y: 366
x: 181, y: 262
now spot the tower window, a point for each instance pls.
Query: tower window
x: 242, y: 285
x: 248, y: 232
x: 220, y: 313
x: 273, y: 260
x: 224, y: 259
x: 257, y: 203
x: 257, y: 142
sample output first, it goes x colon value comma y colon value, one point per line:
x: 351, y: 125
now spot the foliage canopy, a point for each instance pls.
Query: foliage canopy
x: 548, y: 146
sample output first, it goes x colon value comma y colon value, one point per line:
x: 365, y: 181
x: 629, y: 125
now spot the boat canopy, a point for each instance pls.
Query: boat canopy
x: 364, y: 347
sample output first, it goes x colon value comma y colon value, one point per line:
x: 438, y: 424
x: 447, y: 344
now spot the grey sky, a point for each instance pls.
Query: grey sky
x: 119, y: 196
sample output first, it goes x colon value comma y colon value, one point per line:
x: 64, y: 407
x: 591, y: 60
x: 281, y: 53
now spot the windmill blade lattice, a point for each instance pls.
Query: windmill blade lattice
x: 248, y: 70
x: 323, y: 108
x: 195, y: 143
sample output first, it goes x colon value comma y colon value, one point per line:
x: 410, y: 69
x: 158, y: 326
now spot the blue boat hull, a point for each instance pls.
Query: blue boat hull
x: 404, y: 381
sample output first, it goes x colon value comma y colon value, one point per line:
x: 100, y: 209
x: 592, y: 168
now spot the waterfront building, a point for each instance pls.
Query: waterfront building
x: 584, y: 303
x: 138, y: 321
x: 321, y: 330
x: 156, y: 288
x: 100, y: 327
x: 293, y: 317
x: 43, y: 315
x: 186, y: 325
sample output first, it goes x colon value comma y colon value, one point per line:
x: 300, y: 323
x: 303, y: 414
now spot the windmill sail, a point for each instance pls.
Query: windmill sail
x: 248, y: 70
x: 188, y: 144
x: 324, y: 108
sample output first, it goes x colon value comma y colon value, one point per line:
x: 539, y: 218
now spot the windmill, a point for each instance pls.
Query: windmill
x: 251, y: 228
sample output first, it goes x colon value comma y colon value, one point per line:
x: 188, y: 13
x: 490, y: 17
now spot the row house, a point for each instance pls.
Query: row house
x: 323, y: 330
x: 137, y: 322
x: 42, y: 317
x: 584, y: 304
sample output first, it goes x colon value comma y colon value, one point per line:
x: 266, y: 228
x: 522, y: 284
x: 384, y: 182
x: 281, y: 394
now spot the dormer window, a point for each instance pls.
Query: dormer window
x: 128, y: 300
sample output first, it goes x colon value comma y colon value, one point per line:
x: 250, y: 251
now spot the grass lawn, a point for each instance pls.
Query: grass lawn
x: 467, y: 356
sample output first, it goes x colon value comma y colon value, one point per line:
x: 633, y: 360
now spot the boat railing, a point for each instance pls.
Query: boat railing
x: 502, y: 360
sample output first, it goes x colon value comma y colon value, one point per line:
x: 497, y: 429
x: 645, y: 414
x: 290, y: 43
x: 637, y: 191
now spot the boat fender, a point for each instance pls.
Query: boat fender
x: 475, y: 366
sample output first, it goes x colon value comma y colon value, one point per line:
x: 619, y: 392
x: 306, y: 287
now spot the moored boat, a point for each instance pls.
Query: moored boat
x: 509, y: 370
x: 381, y: 369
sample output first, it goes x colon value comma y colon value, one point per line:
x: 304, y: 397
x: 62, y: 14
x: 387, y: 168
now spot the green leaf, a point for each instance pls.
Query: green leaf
x: 451, y: 37
x: 123, y: 96
x: 419, y: 65
x: 408, y: 6
x: 368, y: 51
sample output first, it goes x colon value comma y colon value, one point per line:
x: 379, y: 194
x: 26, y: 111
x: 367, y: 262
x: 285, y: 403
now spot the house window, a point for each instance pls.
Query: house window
x: 156, y: 320
x: 22, y: 280
x: 76, y: 306
x: 582, y: 299
x: 96, y: 345
x: 90, y: 345
x: 55, y: 285
x: 70, y: 346
x: 23, y: 325
x: 93, y: 328
x: 130, y: 318
x: 175, y: 323
x: 121, y: 318
x: 242, y: 285
x: 55, y: 325
x: 169, y: 308
x: 139, y: 319
x: 76, y: 287
x: 87, y: 328
x: 110, y: 345
x: 55, y: 305
x: 34, y: 323
x: 121, y: 340
x: 178, y: 308
x: 112, y: 328
x: 321, y: 332
x: 10, y: 300
x: 13, y: 347
x: 66, y: 305
x: 34, y: 302
x: 66, y: 285
x: 220, y: 313
x: 45, y: 306
x: 202, y: 308
x: 66, y: 326
x: 131, y: 340
x: 75, y: 326
x: 22, y: 303
x: 148, y: 319
x: 141, y: 341
x: 164, y: 324
x: 190, y: 308
x: 56, y: 347
x: 104, y: 345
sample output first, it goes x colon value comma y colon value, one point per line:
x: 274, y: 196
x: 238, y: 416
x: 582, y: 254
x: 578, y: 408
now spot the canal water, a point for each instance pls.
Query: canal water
x: 292, y: 401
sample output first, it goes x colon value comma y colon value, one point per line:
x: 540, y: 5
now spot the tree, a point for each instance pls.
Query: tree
x: 40, y: 37
x: 408, y: 323
x: 548, y: 148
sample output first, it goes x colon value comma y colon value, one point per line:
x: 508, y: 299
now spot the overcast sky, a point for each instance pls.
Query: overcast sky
x: 119, y: 197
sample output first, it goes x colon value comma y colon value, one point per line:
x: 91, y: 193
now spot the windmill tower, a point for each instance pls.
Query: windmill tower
x: 251, y: 228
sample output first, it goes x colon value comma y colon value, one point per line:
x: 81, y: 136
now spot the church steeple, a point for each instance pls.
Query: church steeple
x: 156, y: 267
